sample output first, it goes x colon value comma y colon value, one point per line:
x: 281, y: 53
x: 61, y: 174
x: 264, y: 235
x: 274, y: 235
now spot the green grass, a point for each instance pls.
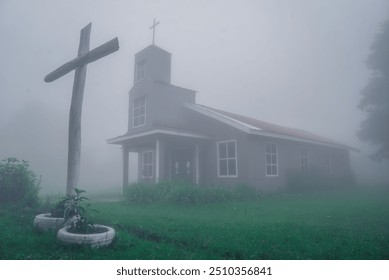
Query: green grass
x: 333, y: 225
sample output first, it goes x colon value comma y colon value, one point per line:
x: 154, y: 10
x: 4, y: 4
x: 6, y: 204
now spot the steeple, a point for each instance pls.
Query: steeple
x: 152, y: 63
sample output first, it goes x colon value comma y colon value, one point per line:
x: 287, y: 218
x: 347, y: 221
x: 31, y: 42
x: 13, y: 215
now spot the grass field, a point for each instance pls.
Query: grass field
x: 332, y: 225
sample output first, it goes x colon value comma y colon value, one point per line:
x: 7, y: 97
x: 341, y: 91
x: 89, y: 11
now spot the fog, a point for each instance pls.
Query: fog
x: 295, y: 63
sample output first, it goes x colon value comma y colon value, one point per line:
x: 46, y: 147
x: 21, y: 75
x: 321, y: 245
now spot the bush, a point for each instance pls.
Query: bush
x: 18, y: 184
x: 245, y: 192
x: 143, y: 193
x: 315, y: 181
x: 184, y: 193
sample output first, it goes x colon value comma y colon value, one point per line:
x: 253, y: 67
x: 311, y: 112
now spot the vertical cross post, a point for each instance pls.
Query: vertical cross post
x: 79, y: 64
x: 74, y: 137
x: 153, y: 27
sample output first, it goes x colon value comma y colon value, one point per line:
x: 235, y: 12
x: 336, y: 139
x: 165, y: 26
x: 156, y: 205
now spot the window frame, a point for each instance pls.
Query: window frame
x: 149, y: 164
x: 140, y: 72
x: 304, y: 161
x: 271, y: 164
x: 227, y: 158
x: 139, y: 117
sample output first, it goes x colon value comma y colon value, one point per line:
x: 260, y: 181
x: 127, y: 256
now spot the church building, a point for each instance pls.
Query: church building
x: 177, y: 139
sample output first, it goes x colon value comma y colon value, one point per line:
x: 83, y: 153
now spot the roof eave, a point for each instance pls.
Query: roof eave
x: 297, y: 139
x: 123, y: 138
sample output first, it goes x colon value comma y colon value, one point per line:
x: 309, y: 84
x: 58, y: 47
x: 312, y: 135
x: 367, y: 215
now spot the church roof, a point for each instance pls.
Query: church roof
x: 258, y: 127
x: 151, y: 48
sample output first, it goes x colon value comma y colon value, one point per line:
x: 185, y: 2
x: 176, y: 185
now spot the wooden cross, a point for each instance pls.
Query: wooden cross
x: 79, y: 64
x: 153, y: 27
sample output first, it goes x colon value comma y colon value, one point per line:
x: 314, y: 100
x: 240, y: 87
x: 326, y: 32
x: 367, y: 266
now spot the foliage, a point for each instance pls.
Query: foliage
x: 76, y: 214
x: 315, y: 181
x: 58, y: 211
x: 184, y: 193
x: 18, y: 184
x: 375, y: 100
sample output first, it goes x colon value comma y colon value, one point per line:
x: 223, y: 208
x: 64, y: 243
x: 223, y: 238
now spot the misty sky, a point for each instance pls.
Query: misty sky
x: 295, y: 63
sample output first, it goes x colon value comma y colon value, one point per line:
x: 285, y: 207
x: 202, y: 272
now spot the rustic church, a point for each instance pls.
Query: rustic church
x: 177, y: 139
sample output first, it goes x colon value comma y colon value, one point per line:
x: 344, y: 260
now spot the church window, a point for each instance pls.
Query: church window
x: 139, y: 112
x: 304, y: 161
x: 227, y: 159
x: 140, y: 71
x: 271, y: 155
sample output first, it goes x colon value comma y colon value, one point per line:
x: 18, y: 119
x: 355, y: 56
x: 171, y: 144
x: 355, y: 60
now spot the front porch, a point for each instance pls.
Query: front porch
x: 163, y: 155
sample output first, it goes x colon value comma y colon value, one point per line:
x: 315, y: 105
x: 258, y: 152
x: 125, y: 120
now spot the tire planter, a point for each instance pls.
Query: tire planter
x: 45, y: 222
x: 103, y: 237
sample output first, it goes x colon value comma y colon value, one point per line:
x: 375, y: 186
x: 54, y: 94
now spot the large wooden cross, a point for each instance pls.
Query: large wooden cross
x: 79, y: 64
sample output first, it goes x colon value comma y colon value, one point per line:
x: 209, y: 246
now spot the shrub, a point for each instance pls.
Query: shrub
x: 18, y: 184
x: 245, y: 192
x: 315, y: 181
x: 143, y: 193
x: 76, y: 214
x: 184, y: 193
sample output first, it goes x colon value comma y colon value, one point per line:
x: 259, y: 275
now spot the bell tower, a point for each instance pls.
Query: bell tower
x: 153, y: 64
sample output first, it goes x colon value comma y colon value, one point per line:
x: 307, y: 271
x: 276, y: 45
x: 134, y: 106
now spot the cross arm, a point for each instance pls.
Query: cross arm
x: 95, y: 54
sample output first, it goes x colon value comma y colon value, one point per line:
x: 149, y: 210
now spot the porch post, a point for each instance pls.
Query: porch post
x: 125, y: 157
x: 157, y: 163
x: 197, y: 164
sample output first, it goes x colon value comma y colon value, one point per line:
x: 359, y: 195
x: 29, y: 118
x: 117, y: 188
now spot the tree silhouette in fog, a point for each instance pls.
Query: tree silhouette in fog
x: 374, y: 128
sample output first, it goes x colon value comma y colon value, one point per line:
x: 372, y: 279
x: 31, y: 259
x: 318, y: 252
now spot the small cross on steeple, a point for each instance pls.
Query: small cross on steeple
x: 153, y: 27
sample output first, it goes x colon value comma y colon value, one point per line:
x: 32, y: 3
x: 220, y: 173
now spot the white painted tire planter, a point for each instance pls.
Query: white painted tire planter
x: 95, y: 240
x: 45, y: 222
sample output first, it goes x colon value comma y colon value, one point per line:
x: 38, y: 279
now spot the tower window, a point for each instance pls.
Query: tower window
x: 140, y: 71
x: 139, y: 112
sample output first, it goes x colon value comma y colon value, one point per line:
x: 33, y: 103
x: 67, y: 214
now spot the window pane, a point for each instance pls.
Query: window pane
x: 222, y: 150
x: 223, y: 167
x: 232, y: 167
x: 142, y: 110
x: 231, y: 149
x: 142, y: 120
x: 273, y: 159
x: 274, y: 169
x: 136, y: 121
x: 268, y: 169
x: 268, y: 159
x: 149, y: 170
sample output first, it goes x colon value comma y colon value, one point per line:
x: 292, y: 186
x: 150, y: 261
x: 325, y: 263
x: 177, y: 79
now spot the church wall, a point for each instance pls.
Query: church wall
x: 218, y: 132
x: 289, y: 155
x: 251, y: 156
x: 167, y: 106
x: 164, y: 105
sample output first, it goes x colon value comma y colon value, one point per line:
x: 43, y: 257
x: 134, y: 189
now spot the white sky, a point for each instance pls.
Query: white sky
x: 295, y: 63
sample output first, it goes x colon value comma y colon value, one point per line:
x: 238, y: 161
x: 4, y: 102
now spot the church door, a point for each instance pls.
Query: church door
x: 181, y: 165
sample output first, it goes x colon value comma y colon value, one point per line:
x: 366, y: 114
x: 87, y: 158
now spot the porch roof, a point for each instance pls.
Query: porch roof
x: 155, y: 132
